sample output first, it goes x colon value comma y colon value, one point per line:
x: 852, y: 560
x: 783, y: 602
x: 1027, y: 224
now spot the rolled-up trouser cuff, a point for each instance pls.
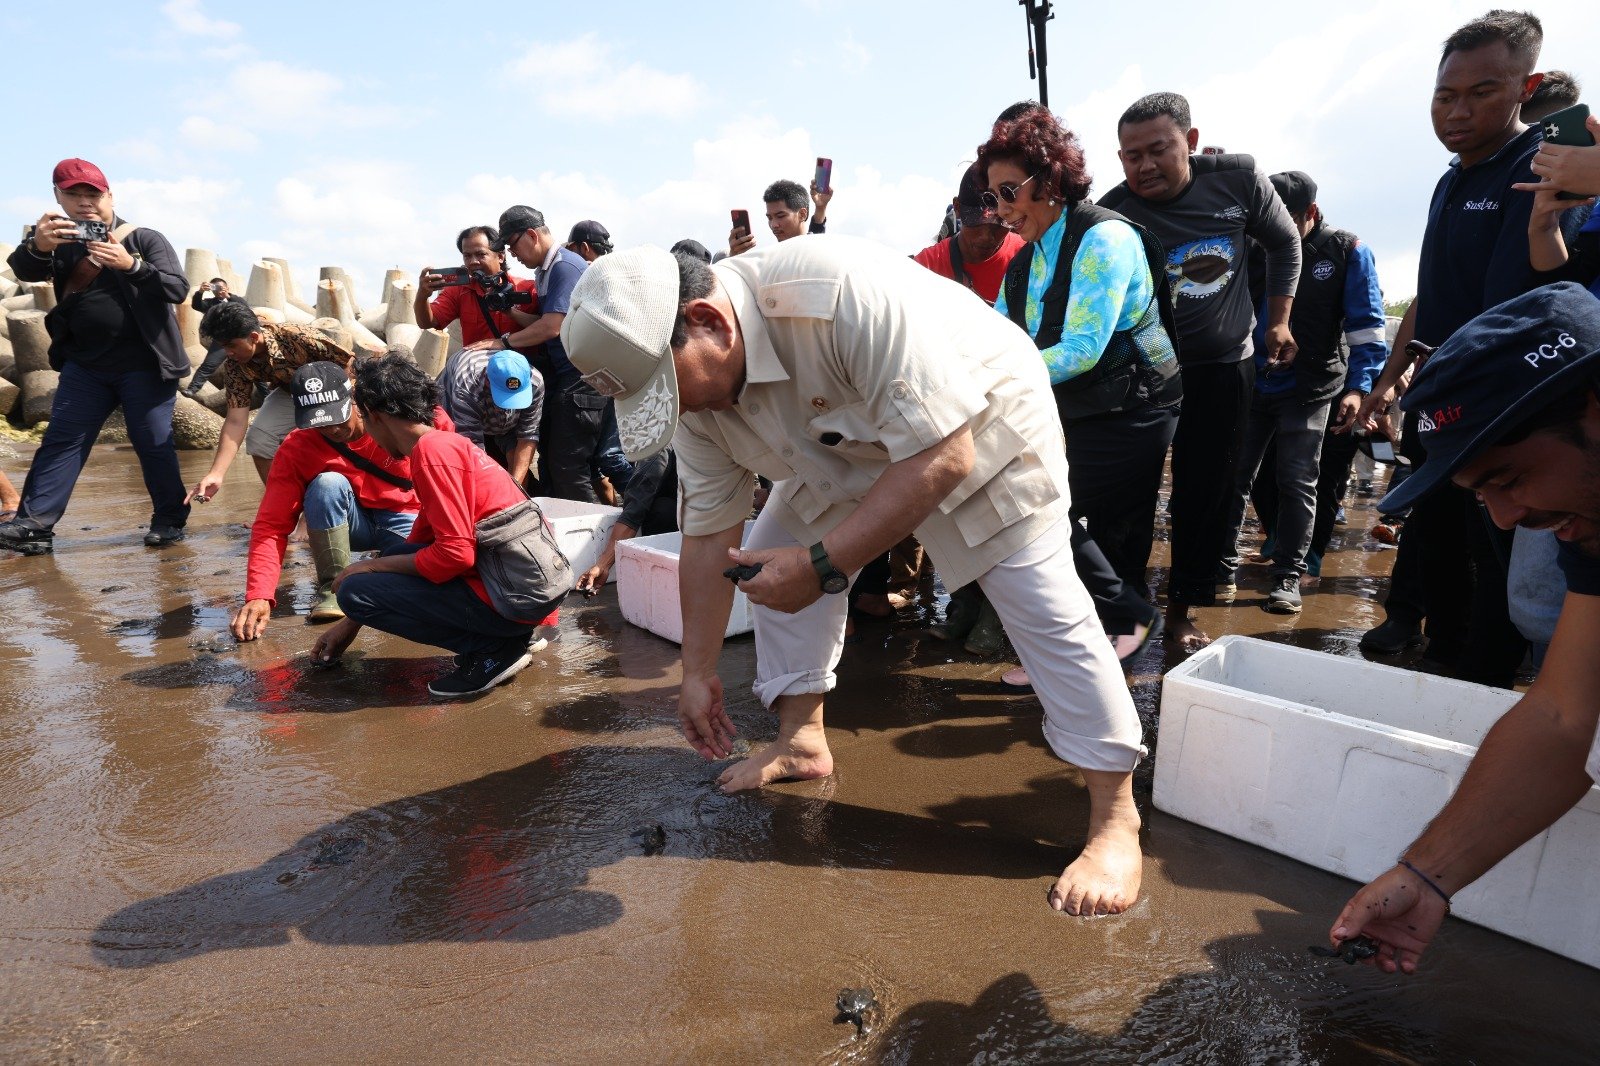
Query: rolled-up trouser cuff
x: 796, y: 653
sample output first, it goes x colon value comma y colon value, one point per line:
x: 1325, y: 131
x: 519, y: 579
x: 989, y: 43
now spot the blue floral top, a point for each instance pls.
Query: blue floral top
x: 1110, y: 291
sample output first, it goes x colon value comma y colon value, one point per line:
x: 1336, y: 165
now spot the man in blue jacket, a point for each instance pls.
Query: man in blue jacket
x: 115, y: 340
x: 1337, y: 304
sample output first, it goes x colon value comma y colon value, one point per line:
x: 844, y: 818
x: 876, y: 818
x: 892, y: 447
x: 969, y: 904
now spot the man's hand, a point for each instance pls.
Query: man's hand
x: 360, y: 566
x: 1281, y: 348
x: 739, y: 240
x: 1371, y: 407
x: 110, y: 255
x: 429, y: 283
x: 820, y: 197
x: 703, y: 718
x: 1397, y: 910
x: 787, y: 582
x: 250, y: 621
x: 594, y: 579
x: 1349, y: 408
x: 486, y: 345
x: 334, y: 640
x: 205, y: 488
x: 1569, y: 167
x: 52, y: 231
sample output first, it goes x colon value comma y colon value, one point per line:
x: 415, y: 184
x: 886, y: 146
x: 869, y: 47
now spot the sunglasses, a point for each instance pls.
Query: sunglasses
x: 1008, y: 193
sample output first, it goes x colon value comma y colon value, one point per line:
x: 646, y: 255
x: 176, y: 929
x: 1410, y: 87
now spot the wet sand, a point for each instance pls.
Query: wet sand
x: 223, y: 854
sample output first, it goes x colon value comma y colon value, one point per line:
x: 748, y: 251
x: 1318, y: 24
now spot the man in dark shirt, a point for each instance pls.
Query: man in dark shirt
x: 1508, y: 409
x: 206, y: 297
x: 115, y: 340
x: 574, y: 414
x: 1202, y: 208
x: 1474, y: 255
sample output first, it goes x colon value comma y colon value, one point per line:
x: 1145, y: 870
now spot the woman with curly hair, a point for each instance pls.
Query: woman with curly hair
x: 1084, y: 289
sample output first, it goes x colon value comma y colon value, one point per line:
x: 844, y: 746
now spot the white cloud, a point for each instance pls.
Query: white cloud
x: 205, y: 133
x: 271, y: 95
x: 187, y: 17
x: 857, y: 56
x: 584, y: 79
x: 186, y: 211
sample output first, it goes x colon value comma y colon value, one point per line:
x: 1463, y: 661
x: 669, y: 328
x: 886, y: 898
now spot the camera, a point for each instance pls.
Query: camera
x: 91, y: 231
x: 500, y: 294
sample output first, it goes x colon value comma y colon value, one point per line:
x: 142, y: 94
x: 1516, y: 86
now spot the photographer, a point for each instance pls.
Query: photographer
x: 212, y: 294
x: 484, y: 317
x: 115, y: 341
x: 574, y: 413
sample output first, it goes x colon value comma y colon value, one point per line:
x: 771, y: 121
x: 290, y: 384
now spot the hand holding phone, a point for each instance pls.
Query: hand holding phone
x: 741, y: 220
x: 740, y: 238
x: 823, y: 181
x: 1560, y: 160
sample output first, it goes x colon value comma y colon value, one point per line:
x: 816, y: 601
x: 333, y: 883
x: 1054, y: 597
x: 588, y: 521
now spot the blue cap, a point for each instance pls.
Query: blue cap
x: 510, y: 381
x: 1493, y: 374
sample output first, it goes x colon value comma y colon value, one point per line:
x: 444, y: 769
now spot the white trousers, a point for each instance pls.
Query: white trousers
x: 1089, y: 718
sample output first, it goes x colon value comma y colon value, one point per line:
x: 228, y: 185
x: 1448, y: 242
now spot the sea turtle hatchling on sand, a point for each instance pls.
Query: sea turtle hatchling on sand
x: 857, y: 1006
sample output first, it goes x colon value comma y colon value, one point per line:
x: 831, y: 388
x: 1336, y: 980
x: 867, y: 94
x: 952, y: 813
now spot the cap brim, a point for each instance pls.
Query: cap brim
x: 647, y: 420
x: 1434, y: 471
x: 506, y: 240
x: 323, y: 414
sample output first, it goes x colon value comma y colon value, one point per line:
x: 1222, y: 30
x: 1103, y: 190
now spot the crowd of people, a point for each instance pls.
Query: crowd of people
x: 1004, y: 402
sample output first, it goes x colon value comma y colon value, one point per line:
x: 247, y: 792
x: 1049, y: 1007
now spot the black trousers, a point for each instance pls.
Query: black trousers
x: 1205, y: 450
x: 1333, y: 478
x: 1114, y: 474
x: 570, y: 442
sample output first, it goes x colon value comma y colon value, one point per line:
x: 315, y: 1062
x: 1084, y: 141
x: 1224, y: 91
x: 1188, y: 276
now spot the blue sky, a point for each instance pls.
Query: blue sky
x: 366, y: 136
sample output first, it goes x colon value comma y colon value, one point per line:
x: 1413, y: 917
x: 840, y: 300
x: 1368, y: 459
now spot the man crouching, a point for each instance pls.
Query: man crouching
x: 886, y: 401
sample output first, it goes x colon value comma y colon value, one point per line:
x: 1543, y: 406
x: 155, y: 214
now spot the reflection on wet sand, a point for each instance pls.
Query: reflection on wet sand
x: 210, y: 851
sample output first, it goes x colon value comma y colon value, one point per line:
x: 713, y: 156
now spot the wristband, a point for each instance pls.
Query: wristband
x: 505, y: 341
x: 1427, y: 881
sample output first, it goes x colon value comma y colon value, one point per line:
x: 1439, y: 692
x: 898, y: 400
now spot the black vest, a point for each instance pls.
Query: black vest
x: 1317, y: 319
x: 1123, y: 379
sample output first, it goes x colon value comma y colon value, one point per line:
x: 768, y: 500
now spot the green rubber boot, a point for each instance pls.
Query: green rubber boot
x: 331, y: 550
x: 988, y: 637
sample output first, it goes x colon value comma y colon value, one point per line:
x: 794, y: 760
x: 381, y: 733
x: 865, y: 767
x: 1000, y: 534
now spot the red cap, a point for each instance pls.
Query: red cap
x: 70, y: 172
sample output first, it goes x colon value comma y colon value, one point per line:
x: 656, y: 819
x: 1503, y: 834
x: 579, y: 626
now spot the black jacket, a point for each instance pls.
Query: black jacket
x: 150, y: 289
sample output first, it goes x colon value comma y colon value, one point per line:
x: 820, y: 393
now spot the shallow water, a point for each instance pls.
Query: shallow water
x: 219, y: 853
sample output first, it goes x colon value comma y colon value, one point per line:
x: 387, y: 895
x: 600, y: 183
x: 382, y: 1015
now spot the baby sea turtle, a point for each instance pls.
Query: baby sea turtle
x: 856, y: 1005
x: 652, y: 838
x: 1351, y: 951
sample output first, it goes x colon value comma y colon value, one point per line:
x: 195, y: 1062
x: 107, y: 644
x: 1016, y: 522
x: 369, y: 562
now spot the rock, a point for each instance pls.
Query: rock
x: 194, y: 428
x: 30, y: 343
x: 38, y: 393
x: 213, y: 399
x: 115, y: 430
x: 9, y: 395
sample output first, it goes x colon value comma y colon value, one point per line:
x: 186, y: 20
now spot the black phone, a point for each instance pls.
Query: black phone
x: 1569, y: 126
x: 742, y: 572
x: 741, y: 219
x: 91, y: 230
x: 453, y: 275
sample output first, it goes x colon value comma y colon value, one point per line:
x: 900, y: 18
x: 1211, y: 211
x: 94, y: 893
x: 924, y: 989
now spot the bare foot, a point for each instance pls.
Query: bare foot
x: 1184, y: 634
x: 802, y: 757
x: 1104, y: 878
x: 877, y: 605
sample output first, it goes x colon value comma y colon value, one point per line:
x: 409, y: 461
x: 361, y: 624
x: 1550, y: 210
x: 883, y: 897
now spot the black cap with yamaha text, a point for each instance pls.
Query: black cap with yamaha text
x: 321, y: 394
x: 1493, y: 374
x: 514, y: 222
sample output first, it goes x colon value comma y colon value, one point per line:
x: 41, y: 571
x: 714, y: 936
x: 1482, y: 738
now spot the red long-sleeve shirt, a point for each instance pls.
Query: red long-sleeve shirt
x: 457, y: 487
x: 303, y: 455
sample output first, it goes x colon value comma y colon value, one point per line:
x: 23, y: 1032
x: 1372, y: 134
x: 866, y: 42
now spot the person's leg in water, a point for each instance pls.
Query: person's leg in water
x: 1089, y: 720
x: 9, y: 498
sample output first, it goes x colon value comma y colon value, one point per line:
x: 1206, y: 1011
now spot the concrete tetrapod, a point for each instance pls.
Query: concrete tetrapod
x: 430, y: 351
x: 10, y: 395
x: 199, y: 266
x: 333, y: 302
x: 334, y: 330
x: 30, y: 343
x: 402, y: 328
x: 226, y: 272
x: 38, y: 393
x: 266, y: 290
x: 44, y: 294
x: 291, y: 290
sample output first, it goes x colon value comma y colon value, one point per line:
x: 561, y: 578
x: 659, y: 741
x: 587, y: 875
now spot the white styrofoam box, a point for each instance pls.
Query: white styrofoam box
x: 581, y: 530
x: 1341, y: 763
x: 647, y: 587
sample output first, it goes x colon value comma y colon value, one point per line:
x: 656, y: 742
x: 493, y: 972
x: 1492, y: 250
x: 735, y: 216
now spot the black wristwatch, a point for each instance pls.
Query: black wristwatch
x: 832, y: 580
x: 505, y: 341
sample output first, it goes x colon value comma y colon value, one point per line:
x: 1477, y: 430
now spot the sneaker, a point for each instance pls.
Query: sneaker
x: 161, y: 536
x: 1364, y: 488
x: 1386, y: 532
x: 538, y: 644
x: 1284, y: 597
x: 481, y: 673
x: 1339, y: 517
x: 29, y: 540
x: 1391, y: 637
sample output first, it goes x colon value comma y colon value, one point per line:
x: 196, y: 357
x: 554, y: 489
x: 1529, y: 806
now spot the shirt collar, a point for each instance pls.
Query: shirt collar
x: 1517, y: 144
x: 761, y: 363
x: 550, y: 257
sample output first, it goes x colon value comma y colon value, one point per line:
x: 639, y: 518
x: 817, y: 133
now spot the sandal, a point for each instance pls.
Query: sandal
x: 1017, y: 679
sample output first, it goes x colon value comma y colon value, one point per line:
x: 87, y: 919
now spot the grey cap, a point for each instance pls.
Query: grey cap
x: 514, y: 222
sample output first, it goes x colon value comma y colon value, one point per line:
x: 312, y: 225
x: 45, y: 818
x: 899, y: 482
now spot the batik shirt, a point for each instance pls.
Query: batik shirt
x: 1110, y: 292
x: 284, y: 349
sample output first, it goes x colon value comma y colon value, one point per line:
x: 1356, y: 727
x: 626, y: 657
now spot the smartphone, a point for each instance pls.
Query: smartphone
x: 453, y: 275
x: 93, y: 230
x: 824, y: 174
x: 1568, y: 126
x: 741, y: 219
x: 1382, y: 451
